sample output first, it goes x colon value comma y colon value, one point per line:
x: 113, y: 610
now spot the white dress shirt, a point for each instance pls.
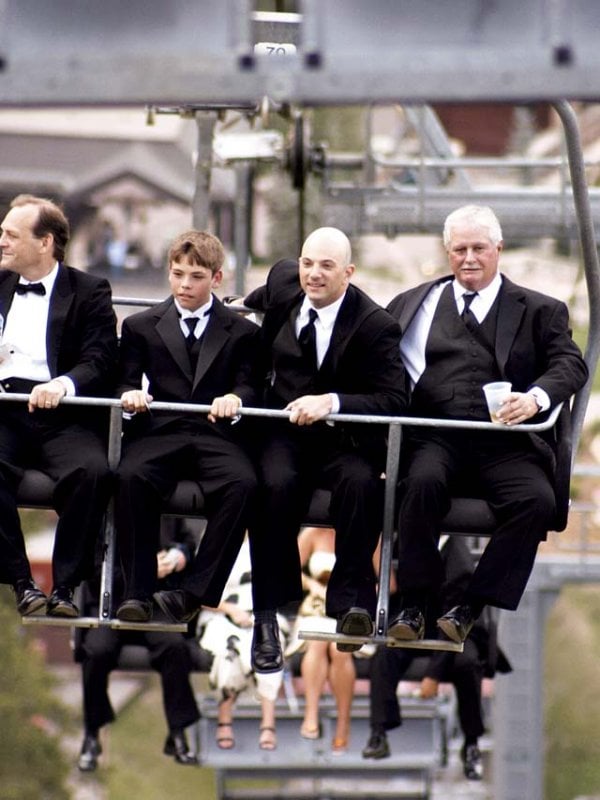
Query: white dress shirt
x: 201, y: 314
x: 324, y: 323
x: 24, y: 336
x: 414, y: 340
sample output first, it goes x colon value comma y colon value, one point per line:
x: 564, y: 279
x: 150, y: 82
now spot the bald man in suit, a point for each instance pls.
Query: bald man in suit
x: 327, y: 348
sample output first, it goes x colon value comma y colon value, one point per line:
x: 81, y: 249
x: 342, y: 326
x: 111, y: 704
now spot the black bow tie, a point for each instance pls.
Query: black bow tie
x: 36, y: 288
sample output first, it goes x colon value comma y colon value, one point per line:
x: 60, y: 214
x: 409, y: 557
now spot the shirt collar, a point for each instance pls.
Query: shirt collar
x: 185, y: 313
x: 47, y: 281
x: 327, y: 314
x: 487, y: 295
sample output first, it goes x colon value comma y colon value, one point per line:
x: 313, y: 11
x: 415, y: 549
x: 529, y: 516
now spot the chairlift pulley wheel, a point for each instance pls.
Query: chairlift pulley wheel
x: 297, y: 154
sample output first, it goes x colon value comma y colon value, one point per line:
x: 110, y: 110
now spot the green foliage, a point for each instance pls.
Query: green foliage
x: 572, y: 676
x: 137, y: 767
x: 31, y: 763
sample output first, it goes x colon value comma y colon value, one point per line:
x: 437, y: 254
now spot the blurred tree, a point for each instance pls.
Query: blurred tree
x: 32, y: 765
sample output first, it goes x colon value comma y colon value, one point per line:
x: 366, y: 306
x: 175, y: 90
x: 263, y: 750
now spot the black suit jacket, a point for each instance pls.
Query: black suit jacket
x: 152, y: 344
x: 81, y: 338
x: 533, y: 347
x: 362, y: 364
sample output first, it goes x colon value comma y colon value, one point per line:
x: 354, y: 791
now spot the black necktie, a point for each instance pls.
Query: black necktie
x: 307, y: 338
x: 36, y: 288
x: 190, y: 339
x: 467, y: 315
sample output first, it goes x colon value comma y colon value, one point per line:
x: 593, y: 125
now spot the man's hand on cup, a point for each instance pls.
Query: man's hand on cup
x: 517, y: 408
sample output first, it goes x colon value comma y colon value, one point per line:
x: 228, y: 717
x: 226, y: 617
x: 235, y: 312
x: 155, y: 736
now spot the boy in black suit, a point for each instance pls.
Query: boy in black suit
x: 191, y: 349
x: 59, y: 338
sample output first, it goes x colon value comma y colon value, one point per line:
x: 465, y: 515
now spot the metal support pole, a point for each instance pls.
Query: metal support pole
x: 589, y: 251
x: 108, y: 563
x: 243, y: 212
x: 205, y: 123
x: 387, y: 536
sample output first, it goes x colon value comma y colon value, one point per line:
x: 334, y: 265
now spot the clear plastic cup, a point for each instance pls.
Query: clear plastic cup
x: 495, y: 394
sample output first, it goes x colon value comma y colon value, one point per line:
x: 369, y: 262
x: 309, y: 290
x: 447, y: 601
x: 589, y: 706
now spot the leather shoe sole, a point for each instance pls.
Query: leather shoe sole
x: 61, y: 605
x: 135, y: 611
x: 31, y: 601
x: 409, y: 626
x: 456, y: 624
x: 355, y: 622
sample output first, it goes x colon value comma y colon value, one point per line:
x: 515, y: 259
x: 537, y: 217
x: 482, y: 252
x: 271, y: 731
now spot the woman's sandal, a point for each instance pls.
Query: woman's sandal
x: 268, y: 738
x: 339, y: 745
x: 310, y: 733
x: 223, y: 741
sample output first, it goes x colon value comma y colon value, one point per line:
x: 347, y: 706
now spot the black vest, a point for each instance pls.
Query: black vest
x: 458, y: 363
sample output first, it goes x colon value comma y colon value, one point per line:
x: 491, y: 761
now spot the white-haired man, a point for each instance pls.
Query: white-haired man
x: 458, y: 333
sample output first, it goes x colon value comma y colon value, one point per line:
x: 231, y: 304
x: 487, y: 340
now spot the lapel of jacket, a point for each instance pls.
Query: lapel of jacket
x: 511, y: 308
x: 61, y: 300
x: 170, y: 332
x: 349, y: 317
x: 7, y: 291
x: 411, y: 302
x: 216, y: 335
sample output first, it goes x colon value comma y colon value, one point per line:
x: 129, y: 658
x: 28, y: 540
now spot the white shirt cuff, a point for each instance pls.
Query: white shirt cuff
x: 541, y: 398
x: 68, y: 384
x: 335, y: 403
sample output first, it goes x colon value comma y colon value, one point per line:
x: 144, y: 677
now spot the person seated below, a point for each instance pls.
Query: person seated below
x: 322, y: 663
x: 172, y: 655
x: 480, y: 658
x: 226, y: 632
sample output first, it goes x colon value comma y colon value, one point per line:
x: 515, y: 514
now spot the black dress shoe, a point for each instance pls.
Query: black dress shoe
x: 472, y: 762
x: 266, y: 648
x: 176, y: 745
x: 377, y: 746
x: 456, y: 624
x: 90, y: 750
x: 178, y: 605
x: 30, y: 598
x: 60, y: 603
x: 135, y: 610
x: 409, y: 625
x: 355, y: 622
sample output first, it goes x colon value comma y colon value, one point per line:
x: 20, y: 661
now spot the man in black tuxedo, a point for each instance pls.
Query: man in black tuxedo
x: 481, y: 657
x: 458, y: 334
x: 58, y: 339
x: 172, y: 655
x: 191, y: 349
x: 328, y: 348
